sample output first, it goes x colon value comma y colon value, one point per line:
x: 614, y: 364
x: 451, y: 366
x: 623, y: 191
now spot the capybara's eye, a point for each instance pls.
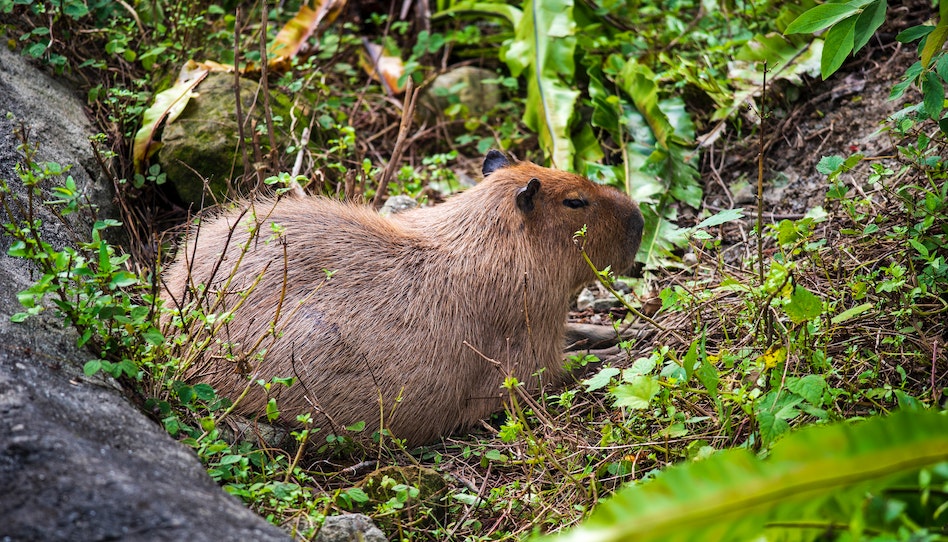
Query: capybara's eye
x: 575, y: 203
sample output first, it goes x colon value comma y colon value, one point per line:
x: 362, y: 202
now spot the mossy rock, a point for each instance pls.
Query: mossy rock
x: 468, y: 86
x: 203, y: 143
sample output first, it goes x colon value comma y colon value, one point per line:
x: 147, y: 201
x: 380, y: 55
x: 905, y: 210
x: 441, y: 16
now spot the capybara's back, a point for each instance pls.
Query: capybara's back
x: 408, y: 322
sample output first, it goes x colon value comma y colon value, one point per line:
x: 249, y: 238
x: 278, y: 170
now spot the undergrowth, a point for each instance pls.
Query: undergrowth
x: 846, y: 321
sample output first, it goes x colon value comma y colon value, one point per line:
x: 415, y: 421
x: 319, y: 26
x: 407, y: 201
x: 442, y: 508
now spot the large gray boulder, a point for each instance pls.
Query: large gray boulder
x: 77, y: 460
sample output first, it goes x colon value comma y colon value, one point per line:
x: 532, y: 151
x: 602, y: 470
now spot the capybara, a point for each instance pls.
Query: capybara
x: 408, y: 322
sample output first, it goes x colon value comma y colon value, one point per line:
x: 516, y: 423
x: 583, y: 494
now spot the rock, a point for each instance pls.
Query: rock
x: 397, y: 204
x: 77, y: 460
x: 599, y: 300
x: 350, y: 528
x: 203, y: 141
x: 603, y: 304
x: 585, y: 299
x: 464, y: 86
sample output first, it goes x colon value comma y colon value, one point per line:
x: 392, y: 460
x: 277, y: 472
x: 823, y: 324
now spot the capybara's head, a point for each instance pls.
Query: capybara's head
x: 554, y: 205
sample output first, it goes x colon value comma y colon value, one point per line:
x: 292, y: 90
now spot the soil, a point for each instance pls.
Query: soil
x: 842, y: 116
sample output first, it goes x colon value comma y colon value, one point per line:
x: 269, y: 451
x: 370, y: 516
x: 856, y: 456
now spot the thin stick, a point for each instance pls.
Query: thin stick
x: 408, y: 111
x: 768, y: 324
x: 240, y: 116
x: 760, y: 179
x: 265, y: 84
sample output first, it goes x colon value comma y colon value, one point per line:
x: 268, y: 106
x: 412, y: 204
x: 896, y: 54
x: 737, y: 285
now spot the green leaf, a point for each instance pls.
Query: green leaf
x: 770, y: 427
x: 829, y: 164
x: 19, y: 317
x: 868, y: 22
x: 273, y: 412
x: 600, y: 379
x: 728, y: 215
x: 850, y: 313
x: 837, y: 46
x: 204, y: 392
x: 820, y: 17
x: 803, y: 305
x: 92, y: 367
x: 153, y: 337
x: 933, y: 95
x: 75, y: 9
x: 542, y: 50
x: 36, y: 50
x: 640, y: 84
x: 358, y: 495
x: 660, y: 236
x: 707, y: 373
x: 479, y: 9
x: 808, y: 476
x: 637, y: 394
x: 690, y: 360
x: 810, y: 387
x: 916, y: 32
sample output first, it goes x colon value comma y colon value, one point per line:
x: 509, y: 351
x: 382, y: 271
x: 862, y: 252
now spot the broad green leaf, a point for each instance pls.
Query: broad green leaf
x: 92, y: 367
x: 810, y: 387
x: 639, y: 83
x: 868, y: 22
x: 808, y: 476
x: 637, y: 394
x: 542, y: 50
x: 803, y: 305
x: 75, y: 9
x: 933, y: 95
x: 707, y: 374
x: 641, y: 366
x: 510, y: 13
x: 820, y: 17
x: 660, y: 236
x: 153, y: 337
x: 770, y: 426
x: 600, y: 379
x: 837, y: 46
x: 829, y: 164
x: 204, y: 392
x: 922, y: 249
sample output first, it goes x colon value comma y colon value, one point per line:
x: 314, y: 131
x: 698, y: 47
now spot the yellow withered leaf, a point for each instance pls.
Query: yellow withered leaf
x: 297, y: 30
x: 386, y: 69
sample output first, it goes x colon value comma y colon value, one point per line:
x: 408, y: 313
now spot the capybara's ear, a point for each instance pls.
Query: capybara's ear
x: 494, y: 161
x: 526, y: 195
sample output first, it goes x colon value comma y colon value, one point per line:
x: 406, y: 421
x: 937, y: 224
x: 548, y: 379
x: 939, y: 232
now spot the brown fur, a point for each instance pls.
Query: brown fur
x: 407, y: 292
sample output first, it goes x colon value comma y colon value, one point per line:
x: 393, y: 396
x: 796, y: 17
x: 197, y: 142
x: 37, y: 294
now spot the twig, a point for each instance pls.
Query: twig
x: 408, y: 111
x: 768, y: 322
x: 240, y: 116
x: 265, y: 83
